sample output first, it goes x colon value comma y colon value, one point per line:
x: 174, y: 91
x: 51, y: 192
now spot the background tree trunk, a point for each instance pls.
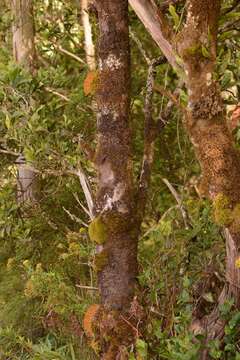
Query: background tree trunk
x: 24, y: 54
x: 23, y: 33
x: 88, y: 40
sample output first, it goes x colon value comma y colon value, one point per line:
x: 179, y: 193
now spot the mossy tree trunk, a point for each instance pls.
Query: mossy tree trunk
x: 212, y: 141
x: 24, y: 54
x: 196, y: 46
x: 114, y: 226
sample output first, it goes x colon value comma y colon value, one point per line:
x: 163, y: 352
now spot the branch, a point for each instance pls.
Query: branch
x: 160, y: 89
x: 74, y: 217
x: 68, y: 53
x: 9, y: 152
x: 178, y: 200
x: 87, y: 287
x: 52, y: 91
x: 233, y: 7
x: 149, y: 139
x: 140, y: 47
x: 87, y: 191
x: 155, y: 23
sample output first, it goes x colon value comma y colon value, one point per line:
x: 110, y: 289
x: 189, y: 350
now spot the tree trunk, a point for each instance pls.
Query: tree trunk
x: 114, y: 157
x: 213, y: 143
x: 25, y: 55
x: 23, y: 33
x: 205, y: 123
x: 114, y: 228
x: 88, y: 41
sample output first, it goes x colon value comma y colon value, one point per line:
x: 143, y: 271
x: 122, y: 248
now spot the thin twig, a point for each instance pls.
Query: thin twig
x: 178, y: 200
x: 74, y: 217
x: 235, y: 4
x: 68, y: 53
x: 140, y: 47
x: 161, y: 219
x: 55, y: 92
x: 82, y: 206
x: 133, y: 327
x: 86, y: 190
x: 160, y: 89
x: 150, y: 134
x: 9, y: 152
x: 87, y: 287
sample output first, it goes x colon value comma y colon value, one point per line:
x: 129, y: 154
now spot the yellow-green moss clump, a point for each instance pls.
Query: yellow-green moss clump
x: 236, y: 218
x: 224, y: 215
x: 97, y: 231
x: 100, y: 261
x: 221, y: 210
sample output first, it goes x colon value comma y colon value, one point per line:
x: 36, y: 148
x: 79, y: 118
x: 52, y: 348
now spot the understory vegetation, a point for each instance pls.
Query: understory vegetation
x: 48, y: 263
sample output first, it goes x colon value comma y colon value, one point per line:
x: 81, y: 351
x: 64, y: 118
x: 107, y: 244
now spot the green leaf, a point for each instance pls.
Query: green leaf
x: 141, y: 347
x: 174, y: 15
x: 7, y: 121
x: 226, y: 80
x: 205, y: 52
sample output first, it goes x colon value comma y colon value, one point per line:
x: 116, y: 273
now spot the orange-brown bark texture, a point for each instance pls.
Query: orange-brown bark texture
x: 212, y: 141
x: 206, y: 123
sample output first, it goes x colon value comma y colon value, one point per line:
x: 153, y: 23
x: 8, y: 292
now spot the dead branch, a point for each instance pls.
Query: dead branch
x: 9, y: 152
x: 178, y: 200
x: 87, y: 287
x: 55, y: 92
x: 140, y: 47
x: 150, y: 134
x: 160, y: 89
x: 68, y: 53
x: 157, y: 25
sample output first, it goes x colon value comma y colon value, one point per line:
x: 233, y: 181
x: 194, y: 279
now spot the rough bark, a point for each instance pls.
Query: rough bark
x: 24, y: 54
x: 206, y: 125
x: 212, y: 141
x: 116, y: 258
x: 113, y: 156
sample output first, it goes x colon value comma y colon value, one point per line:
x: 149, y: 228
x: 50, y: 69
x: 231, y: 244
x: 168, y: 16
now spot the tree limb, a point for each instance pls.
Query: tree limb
x: 150, y: 134
x: 140, y: 47
x: 160, y: 89
x: 157, y: 26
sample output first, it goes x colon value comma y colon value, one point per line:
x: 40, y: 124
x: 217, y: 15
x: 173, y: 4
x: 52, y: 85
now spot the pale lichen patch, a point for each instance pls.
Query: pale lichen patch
x: 209, y: 79
x: 111, y: 63
x: 106, y: 174
x: 111, y: 201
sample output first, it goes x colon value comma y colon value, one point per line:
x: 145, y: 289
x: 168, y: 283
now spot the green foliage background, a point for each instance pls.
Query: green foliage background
x: 46, y: 257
